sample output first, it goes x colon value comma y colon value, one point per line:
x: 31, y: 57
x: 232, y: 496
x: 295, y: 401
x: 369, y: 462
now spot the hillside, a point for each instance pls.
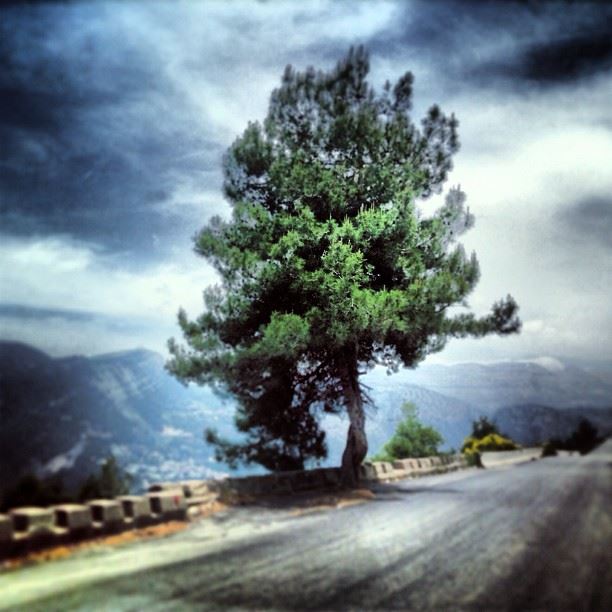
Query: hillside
x: 545, y: 381
x: 64, y: 416
x: 533, y: 424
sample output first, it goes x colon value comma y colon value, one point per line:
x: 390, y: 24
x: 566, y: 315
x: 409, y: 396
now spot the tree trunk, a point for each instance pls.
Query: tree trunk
x: 356, y: 442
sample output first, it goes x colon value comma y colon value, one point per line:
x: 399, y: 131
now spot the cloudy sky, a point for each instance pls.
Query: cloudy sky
x: 114, y: 118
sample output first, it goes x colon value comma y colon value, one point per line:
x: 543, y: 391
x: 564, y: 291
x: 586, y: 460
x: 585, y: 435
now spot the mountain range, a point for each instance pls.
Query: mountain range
x: 64, y: 416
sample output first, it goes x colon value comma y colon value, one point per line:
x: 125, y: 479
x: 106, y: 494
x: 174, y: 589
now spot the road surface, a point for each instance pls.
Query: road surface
x: 532, y: 536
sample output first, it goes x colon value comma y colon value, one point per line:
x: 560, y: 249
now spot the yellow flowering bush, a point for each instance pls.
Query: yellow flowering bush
x: 491, y: 442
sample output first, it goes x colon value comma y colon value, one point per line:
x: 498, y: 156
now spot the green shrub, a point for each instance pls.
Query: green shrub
x: 584, y: 439
x: 491, y: 442
x: 411, y: 438
x: 474, y: 459
x: 485, y: 437
x: 31, y: 490
x: 381, y: 456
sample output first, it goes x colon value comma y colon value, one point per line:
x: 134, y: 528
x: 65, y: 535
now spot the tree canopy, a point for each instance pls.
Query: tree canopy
x: 110, y: 481
x: 583, y: 439
x: 327, y: 265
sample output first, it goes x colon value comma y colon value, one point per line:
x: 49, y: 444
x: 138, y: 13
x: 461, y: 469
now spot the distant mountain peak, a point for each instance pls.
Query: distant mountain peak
x: 20, y: 356
x: 129, y: 355
x: 7, y: 346
x: 548, y: 363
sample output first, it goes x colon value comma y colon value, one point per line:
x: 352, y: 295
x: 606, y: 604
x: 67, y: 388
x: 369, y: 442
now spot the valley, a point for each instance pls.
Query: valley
x: 63, y: 417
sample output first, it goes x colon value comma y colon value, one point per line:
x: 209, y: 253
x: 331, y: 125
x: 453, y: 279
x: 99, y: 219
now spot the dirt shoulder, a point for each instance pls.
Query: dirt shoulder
x: 297, y: 504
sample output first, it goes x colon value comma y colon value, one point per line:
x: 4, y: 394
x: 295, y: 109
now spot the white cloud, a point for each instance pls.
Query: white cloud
x: 59, y: 336
x: 49, y: 252
x: 173, y: 432
x: 189, y: 200
x: 525, y: 156
x: 56, y: 272
x: 549, y: 363
x: 524, y: 160
x: 224, y: 59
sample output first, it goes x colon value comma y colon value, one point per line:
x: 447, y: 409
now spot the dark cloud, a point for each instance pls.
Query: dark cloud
x: 588, y: 221
x: 95, y: 138
x: 448, y: 32
x: 469, y: 43
x: 114, y: 118
x: 566, y: 59
x: 571, y: 58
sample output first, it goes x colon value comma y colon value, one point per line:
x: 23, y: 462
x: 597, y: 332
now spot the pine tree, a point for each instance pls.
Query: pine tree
x: 111, y: 481
x: 327, y: 265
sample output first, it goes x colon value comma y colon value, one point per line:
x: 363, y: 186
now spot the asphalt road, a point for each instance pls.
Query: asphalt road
x: 531, y: 536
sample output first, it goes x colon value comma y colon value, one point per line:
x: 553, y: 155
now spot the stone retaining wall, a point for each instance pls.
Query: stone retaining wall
x: 23, y: 530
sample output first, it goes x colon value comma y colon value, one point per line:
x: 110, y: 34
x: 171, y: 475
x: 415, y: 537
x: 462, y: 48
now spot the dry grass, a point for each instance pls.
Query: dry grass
x: 65, y: 550
x: 154, y: 531
x: 301, y: 505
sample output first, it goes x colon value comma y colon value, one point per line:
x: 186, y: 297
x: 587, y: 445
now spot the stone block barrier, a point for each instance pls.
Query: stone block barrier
x: 34, y: 528
x: 6, y: 535
x: 136, y: 510
x: 23, y: 530
x: 76, y: 519
x: 383, y: 471
x: 168, y: 505
x: 28, y: 521
x: 107, y: 516
x: 189, y: 488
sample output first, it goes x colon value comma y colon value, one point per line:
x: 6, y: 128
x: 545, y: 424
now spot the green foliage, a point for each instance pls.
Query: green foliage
x: 31, y: 490
x: 549, y: 449
x: 327, y: 265
x: 411, y: 438
x: 483, y: 427
x: 583, y: 440
x: 110, y: 481
x: 474, y: 459
x: 485, y: 437
x: 34, y: 491
x: 490, y: 442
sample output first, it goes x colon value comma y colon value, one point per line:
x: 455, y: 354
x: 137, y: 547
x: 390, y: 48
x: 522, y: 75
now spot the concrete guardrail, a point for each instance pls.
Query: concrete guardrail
x: 168, y: 505
x: 107, y: 516
x: 33, y: 528
x: 136, y: 510
x: 75, y: 518
x: 383, y: 471
x: 25, y: 529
